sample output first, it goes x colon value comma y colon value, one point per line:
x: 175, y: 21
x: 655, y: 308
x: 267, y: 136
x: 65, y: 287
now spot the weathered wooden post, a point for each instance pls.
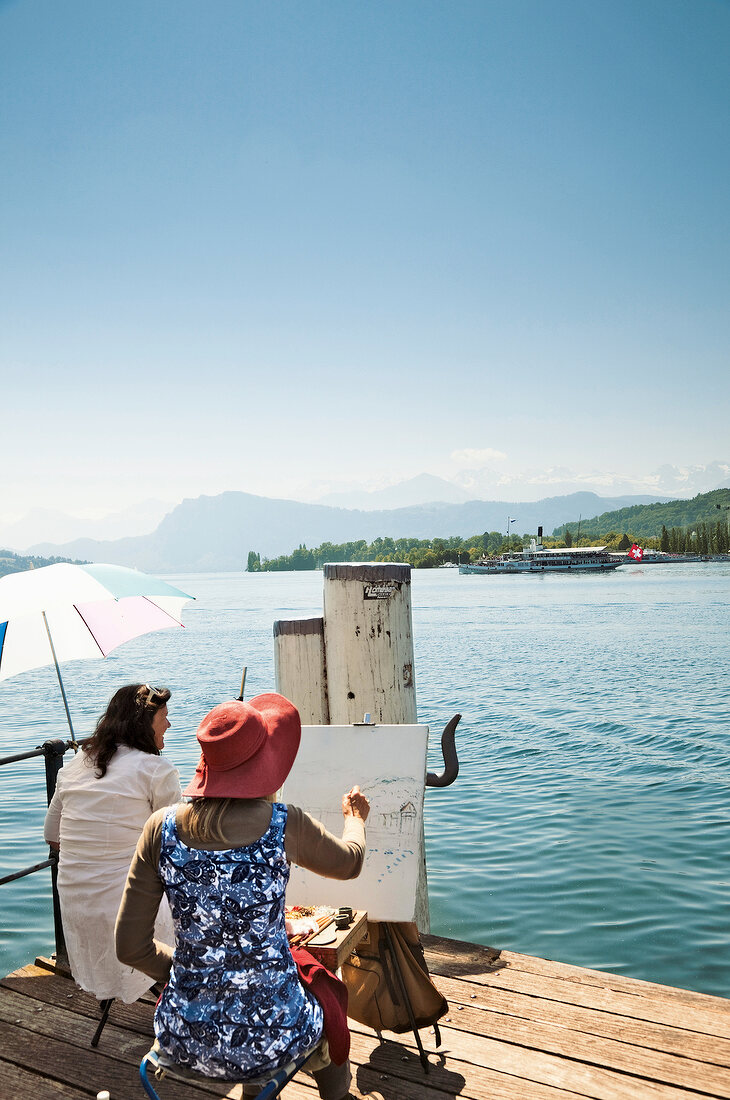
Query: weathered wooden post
x: 368, y: 640
x: 299, y: 667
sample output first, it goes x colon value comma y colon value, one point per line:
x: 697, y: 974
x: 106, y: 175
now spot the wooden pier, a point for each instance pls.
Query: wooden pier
x: 518, y: 1028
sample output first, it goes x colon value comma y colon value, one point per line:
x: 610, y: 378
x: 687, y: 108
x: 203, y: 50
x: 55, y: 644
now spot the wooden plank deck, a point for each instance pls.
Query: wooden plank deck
x: 518, y: 1028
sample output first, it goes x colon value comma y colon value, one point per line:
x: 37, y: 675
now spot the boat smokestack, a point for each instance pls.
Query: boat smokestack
x: 539, y: 538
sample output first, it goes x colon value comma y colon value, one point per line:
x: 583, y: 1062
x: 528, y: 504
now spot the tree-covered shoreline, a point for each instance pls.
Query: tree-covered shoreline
x: 645, y: 521
x: 433, y: 553
x: 11, y: 562
x: 704, y: 531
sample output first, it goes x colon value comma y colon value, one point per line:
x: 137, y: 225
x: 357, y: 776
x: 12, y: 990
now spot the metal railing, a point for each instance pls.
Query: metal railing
x: 52, y: 753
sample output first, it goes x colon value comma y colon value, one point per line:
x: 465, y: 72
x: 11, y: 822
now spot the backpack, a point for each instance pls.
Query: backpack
x: 374, y: 991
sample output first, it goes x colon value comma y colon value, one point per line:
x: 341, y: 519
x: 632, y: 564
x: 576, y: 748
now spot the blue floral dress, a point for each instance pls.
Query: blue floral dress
x: 234, y: 1007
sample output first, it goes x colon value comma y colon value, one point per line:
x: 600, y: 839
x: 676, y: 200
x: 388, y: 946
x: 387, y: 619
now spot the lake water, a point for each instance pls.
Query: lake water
x: 590, y: 822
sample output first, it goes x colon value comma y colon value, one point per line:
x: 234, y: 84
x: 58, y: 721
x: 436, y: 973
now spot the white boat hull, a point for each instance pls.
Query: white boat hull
x: 535, y: 568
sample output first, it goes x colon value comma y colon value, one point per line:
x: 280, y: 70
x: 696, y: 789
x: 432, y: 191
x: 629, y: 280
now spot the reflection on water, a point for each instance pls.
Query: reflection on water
x: 589, y: 822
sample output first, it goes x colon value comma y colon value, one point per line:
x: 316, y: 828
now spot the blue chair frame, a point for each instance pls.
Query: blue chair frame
x: 161, y: 1064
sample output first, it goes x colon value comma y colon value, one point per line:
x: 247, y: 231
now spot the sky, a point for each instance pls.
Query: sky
x: 293, y: 247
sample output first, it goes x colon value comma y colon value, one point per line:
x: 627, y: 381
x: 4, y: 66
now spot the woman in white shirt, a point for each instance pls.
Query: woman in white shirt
x: 104, y: 795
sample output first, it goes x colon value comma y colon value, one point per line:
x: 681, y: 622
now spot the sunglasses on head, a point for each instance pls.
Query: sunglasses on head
x: 150, y: 697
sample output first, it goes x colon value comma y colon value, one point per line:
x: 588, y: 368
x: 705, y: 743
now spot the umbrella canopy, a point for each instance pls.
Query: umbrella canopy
x: 69, y: 612
x: 89, y: 610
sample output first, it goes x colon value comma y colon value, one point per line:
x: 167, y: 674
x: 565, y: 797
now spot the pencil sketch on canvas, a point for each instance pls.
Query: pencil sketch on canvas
x: 389, y: 764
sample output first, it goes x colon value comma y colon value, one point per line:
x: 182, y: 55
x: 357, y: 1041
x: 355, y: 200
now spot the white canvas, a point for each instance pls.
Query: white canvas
x: 389, y: 764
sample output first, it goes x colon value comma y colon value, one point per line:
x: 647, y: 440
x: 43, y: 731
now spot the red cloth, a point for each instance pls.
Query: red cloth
x: 332, y: 995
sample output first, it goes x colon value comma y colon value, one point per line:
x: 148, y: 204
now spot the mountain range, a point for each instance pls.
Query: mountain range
x: 479, y: 482
x: 215, y: 533
x: 476, y: 482
x: 53, y: 525
x: 423, y: 489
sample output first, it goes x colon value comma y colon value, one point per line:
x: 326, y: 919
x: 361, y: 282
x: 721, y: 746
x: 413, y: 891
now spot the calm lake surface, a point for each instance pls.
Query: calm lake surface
x: 591, y: 819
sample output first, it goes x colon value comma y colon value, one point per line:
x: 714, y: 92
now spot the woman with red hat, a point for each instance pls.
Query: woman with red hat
x: 234, y: 1007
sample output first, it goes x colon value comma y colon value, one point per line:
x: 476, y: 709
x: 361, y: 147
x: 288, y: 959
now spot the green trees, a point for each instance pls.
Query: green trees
x: 643, y: 521
x: 419, y: 553
x: 10, y: 562
x: 703, y: 542
x: 254, y: 562
x: 303, y: 559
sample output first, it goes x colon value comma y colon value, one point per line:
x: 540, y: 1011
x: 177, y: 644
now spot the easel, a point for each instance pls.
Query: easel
x: 406, y: 999
x: 379, y: 976
x: 105, y: 1010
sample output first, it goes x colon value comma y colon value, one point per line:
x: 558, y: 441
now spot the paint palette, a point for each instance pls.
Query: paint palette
x: 326, y: 936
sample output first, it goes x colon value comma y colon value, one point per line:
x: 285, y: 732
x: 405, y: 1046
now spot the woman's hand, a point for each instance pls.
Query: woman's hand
x: 355, y: 804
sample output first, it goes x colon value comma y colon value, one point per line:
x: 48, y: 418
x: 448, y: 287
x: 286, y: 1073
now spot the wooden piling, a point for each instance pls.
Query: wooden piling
x: 369, y: 643
x: 299, y: 667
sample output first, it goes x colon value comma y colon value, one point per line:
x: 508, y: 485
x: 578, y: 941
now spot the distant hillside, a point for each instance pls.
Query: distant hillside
x: 57, y: 527
x: 215, y: 534
x: 646, y: 520
x: 18, y: 563
x: 424, y: 489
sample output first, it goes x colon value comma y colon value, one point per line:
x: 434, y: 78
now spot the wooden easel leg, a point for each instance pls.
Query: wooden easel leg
x: 105, y: 1010
x: 404, y: 995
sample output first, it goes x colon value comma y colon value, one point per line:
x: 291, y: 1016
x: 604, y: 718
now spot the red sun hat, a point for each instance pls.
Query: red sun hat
x: 247, y: 748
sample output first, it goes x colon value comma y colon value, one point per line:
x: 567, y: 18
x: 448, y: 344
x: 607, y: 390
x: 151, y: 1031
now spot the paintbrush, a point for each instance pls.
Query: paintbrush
x: 305, y: 937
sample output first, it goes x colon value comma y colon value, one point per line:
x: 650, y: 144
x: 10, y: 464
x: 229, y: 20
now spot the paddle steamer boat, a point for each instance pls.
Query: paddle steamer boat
x: 535, y: 559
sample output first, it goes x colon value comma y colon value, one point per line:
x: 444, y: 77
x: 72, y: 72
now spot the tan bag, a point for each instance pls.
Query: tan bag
x: 374, y: 992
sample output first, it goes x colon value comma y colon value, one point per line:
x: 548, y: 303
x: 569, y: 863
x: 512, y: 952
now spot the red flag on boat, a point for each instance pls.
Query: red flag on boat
x: 636, y: 552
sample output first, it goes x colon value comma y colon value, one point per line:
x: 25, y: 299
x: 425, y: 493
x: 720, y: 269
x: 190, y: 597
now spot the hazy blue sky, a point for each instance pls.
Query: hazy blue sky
x: 287, y: 246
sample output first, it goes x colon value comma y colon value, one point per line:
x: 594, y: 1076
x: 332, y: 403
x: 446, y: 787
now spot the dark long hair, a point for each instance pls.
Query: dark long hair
x: 126, y: 721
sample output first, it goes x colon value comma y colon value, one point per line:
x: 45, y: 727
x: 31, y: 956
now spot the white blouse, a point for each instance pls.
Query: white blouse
x: 97, y: 823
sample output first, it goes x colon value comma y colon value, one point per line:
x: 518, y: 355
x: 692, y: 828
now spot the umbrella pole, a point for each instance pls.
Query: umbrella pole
x: 58, y: 673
